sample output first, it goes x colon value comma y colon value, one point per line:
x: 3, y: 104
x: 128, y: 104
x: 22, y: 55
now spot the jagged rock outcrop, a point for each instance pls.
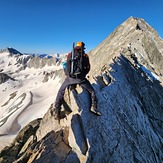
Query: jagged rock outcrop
x: 4, y: 77
x: 130, y: 98
x: 37, y: 62
x: 52, y: 74
x: 22, y: 142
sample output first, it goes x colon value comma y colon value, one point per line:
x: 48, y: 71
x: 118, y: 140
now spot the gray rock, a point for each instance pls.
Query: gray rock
x: 15, y: 150
x: 144, y: 42
x: 4, y: 77
x: 37, y: 62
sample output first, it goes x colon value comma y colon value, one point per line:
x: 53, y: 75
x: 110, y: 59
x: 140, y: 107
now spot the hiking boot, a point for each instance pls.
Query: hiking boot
x: 94, y: 110
x: 56, y: 112
x: 62, y: 115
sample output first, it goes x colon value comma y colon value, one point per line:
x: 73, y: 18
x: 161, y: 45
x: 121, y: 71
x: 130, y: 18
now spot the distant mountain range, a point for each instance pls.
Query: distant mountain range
x: 14, y: 51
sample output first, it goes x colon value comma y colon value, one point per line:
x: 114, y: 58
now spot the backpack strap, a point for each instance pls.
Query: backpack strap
x: 72, y: 58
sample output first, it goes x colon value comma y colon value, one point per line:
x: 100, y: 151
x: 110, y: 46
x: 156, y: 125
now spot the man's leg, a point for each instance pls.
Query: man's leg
x: 86, y: 84
x: 61, y: 92
x: 60, y: 98
x: 69, y: 82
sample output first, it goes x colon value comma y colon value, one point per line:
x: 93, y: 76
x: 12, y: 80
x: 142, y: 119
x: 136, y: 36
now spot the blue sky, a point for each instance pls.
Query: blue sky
x: 50, y: 26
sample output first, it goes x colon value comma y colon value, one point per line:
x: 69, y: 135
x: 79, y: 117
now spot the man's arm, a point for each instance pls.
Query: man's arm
x: 86, y: 64
x: 68, y: 64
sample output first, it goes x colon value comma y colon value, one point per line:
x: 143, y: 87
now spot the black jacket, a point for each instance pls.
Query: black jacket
x: 85, y: 65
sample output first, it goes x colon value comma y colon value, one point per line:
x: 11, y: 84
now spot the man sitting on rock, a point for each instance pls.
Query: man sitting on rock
x: 77, y: 67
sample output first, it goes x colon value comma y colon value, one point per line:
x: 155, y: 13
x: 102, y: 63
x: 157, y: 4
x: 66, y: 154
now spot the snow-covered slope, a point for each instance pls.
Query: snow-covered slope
x: 27, y: 96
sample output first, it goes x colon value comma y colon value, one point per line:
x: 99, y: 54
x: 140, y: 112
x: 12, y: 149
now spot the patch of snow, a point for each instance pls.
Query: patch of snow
x: 150, y: 74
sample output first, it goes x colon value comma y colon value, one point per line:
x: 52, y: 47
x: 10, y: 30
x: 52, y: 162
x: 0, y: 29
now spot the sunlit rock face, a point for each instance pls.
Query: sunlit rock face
x: 134, y: 36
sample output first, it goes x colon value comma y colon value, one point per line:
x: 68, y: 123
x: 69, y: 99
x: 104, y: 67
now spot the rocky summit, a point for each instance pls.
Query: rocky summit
x: 126, y: 73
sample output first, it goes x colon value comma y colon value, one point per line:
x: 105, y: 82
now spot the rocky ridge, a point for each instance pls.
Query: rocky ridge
x: 132, y: 37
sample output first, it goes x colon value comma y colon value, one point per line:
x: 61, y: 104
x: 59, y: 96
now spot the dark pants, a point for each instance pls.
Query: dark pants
x: 70, y: 82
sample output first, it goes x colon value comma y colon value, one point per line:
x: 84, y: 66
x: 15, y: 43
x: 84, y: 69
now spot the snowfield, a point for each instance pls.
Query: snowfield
x: 25, y: 98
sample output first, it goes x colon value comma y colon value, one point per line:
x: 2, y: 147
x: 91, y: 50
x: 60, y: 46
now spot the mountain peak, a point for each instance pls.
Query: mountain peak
x: 11, y: 51
x: 143, y: 40
x: 133, y: 23
x: 133, y: 19
x: 139, y: 24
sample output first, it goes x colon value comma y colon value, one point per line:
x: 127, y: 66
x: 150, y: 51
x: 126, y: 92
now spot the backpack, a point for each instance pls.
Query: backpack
x: 74, y: 66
